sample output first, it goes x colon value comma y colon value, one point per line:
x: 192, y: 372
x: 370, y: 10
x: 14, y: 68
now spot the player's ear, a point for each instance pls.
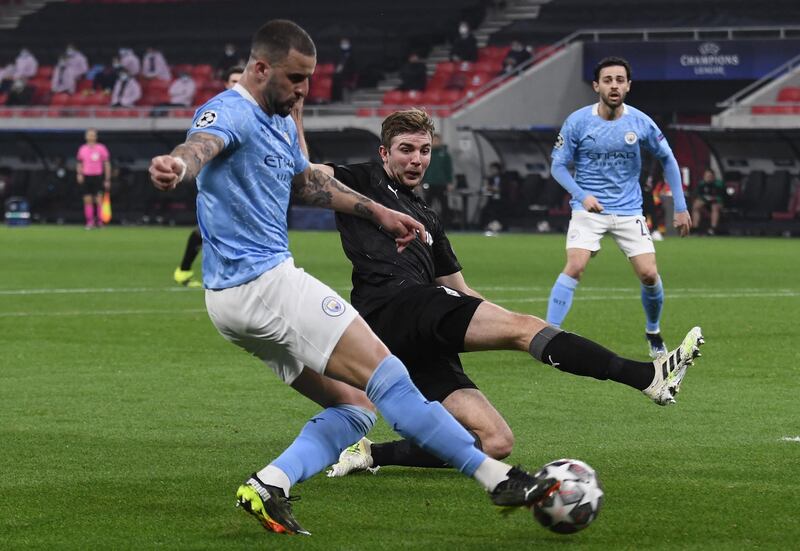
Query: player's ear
x: 383, y: 152
x: 596, y: 86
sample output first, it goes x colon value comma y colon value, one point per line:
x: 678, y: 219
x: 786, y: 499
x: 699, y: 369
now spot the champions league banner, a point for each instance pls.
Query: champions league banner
x: 694, y: 60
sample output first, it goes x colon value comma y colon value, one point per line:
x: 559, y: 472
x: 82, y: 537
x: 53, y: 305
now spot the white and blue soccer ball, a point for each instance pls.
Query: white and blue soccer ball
x: 575, y: 505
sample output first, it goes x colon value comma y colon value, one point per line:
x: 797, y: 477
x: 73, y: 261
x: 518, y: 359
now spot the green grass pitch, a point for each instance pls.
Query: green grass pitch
x: 127, y: 422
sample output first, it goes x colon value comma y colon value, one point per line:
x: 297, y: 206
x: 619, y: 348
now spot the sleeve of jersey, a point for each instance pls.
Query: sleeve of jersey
x: 444, y: 259
x: 347, y: 176
x: 563, y: 152
x: 218, y: 119
x: 672, y: 172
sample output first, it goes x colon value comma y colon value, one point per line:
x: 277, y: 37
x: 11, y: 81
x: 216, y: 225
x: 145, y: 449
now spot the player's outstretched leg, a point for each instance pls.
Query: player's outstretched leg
x: 671, y: 369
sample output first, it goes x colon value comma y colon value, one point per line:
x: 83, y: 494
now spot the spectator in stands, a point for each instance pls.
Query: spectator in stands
x: 126, y: 91
x: 93, y: 175
x: 6, y: 77
x: 228, y: 59
x: 439, y: 179
x: 465, y: 46
x: 709, y: 195
x: 414, y: 74
x: 63, y: 79
x: 182, y: 90
x: 518, y: 53
x: 130, y: 61
x: 76, y: 61
x: 20, y: 93
x: 25, y: 66
x: 154, y: 65
x: 107, y: 78
x: 343, y: 78
x: 492, y: 212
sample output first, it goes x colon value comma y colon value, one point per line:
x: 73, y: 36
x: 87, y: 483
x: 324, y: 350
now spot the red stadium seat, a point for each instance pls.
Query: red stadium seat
x: 489, y: 67
x: 789, y: 94
x: 84, y: 84
x: 432, y: 97
x: 320, y: 90
x: 393, y: 97
x: 451, y: 96
x: 44, y: 71
x: 202, y: 97
x: 411, y: 97
x: 202, y: 72
x: 365, y: 112
x: 446, y: 67
x: 324, y: 69
x: 60, y: 99
x: 493, y: 53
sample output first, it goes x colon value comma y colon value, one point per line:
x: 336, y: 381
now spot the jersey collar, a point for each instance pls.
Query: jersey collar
x: 244, y: 93
x: 596, y: 109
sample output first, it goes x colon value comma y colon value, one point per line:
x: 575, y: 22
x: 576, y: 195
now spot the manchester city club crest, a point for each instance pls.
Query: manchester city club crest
x: 333, y: 306
x: 631, y: 138
x: 206, y: 119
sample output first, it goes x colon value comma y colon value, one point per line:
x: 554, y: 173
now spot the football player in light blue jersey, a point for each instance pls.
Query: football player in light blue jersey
x: 244, y: 154
x: 603, y: 142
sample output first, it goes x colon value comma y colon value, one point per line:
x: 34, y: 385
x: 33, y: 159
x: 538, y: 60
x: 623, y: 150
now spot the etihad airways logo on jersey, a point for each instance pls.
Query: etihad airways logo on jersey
x: 610, y: 155
x: 274, y: 161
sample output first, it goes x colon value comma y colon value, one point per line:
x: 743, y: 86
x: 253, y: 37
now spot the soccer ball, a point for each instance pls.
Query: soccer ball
x: 576, y: 503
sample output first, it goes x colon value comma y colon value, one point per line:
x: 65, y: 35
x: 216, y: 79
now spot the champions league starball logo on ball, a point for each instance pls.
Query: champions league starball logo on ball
x: 332, y: 306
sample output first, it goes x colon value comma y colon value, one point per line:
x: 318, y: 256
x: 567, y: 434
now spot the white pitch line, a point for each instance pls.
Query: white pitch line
x: 790, y: 439
x: 102, y: 313
x: 668, y: 296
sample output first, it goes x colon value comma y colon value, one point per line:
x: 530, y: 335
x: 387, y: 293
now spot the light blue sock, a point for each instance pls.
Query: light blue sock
x: 653, y: 301
x: 322, y: 439
x: 560, y: 299
x: 427, y: 424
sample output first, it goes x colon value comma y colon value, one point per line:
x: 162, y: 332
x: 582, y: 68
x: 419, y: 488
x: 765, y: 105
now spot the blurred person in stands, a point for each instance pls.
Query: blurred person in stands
x: 63, y: 79
x: 414, y: 74
x: 229, y: 58
x: 345, y: 72
x: 518, y: 53
x: 603, y: 142
x: 130, y: 61
x: 182, y: 90
x: 183, y: 274
x: 492, y: 212
x: 154, y: 65
x: 126, y: 92
x: 6, y: 77
x: 439, y: 180
x: 93, y: 174
x: 709, y: 194
x: 20, y: 93
x: 108, y: 76
x: 25, y: 65
x: 465, y: 45
x: 76, y: 61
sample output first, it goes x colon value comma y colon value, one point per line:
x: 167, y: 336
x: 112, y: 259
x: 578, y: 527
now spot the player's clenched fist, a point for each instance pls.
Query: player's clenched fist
x: 166, y: 171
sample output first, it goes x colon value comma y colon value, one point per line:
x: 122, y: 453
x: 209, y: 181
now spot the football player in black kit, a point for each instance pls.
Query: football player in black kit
x: 419, y: 304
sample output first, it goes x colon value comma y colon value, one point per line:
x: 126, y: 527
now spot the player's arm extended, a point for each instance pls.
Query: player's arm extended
x: 185, y: 161
x: 561, y: 174
x: 457, y: 283
x: 317, y: 187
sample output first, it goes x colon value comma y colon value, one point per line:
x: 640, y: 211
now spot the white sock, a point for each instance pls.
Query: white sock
x: 273, y: 476
x: 490, y: 473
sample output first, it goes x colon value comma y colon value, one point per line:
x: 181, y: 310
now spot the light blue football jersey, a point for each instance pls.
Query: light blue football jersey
x: 243, y: 193
x: 607, y: 156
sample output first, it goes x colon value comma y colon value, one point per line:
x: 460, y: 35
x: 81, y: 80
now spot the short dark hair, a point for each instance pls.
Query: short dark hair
x: 232, y: 70
x: 409, y: 121
x: 276, y: 38
x: 611, y: 62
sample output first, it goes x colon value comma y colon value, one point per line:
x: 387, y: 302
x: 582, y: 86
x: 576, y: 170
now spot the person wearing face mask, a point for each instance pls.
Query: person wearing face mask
x: 154, y: 65
x: 130, y: 61
x: 465, y: 45
x: 107, y: 77
x: 63, y: 79
x: 420, y: 305
x: 126, y: 92
x: 25, y: 65
x: 181, y: 91
x: 76, y: 61
x: 345, y: 72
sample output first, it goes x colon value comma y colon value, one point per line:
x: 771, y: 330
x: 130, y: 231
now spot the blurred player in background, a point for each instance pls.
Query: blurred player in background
x: 420, y: 305
x: 709, y: 194
x: 94, y: 177
x: 183, y: 274
x: 603, y: 143
x: 243, y: 151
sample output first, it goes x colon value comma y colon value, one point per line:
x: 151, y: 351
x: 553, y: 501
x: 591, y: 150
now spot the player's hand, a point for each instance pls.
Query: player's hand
x: 297, y: 112
x: 682, y: 221
x: 79, y: 179
x: 402, y: 226
x: 165, y: 172
x: 107, y: 185
x: 591, y: 204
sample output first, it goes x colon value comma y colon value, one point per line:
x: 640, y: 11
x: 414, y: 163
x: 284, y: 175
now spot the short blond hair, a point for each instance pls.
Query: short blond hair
x: 409, y: 121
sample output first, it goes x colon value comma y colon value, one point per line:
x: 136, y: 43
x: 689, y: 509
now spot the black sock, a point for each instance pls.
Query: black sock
x: 574, y: 354
x: 408, y: 454
x: 193, y: 245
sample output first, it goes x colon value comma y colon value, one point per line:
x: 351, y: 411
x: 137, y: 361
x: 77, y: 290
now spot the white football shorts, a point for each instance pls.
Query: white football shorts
x: 285, y: 317
x: 586, y: 229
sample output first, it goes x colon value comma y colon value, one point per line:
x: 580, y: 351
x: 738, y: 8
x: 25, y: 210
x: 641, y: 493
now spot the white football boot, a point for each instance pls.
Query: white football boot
x: 353, y: 459
x: 671, y: 369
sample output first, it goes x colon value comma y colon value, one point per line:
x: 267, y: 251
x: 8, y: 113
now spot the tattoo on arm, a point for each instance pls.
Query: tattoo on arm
x: 319, y: 190
x: 196, y: 151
